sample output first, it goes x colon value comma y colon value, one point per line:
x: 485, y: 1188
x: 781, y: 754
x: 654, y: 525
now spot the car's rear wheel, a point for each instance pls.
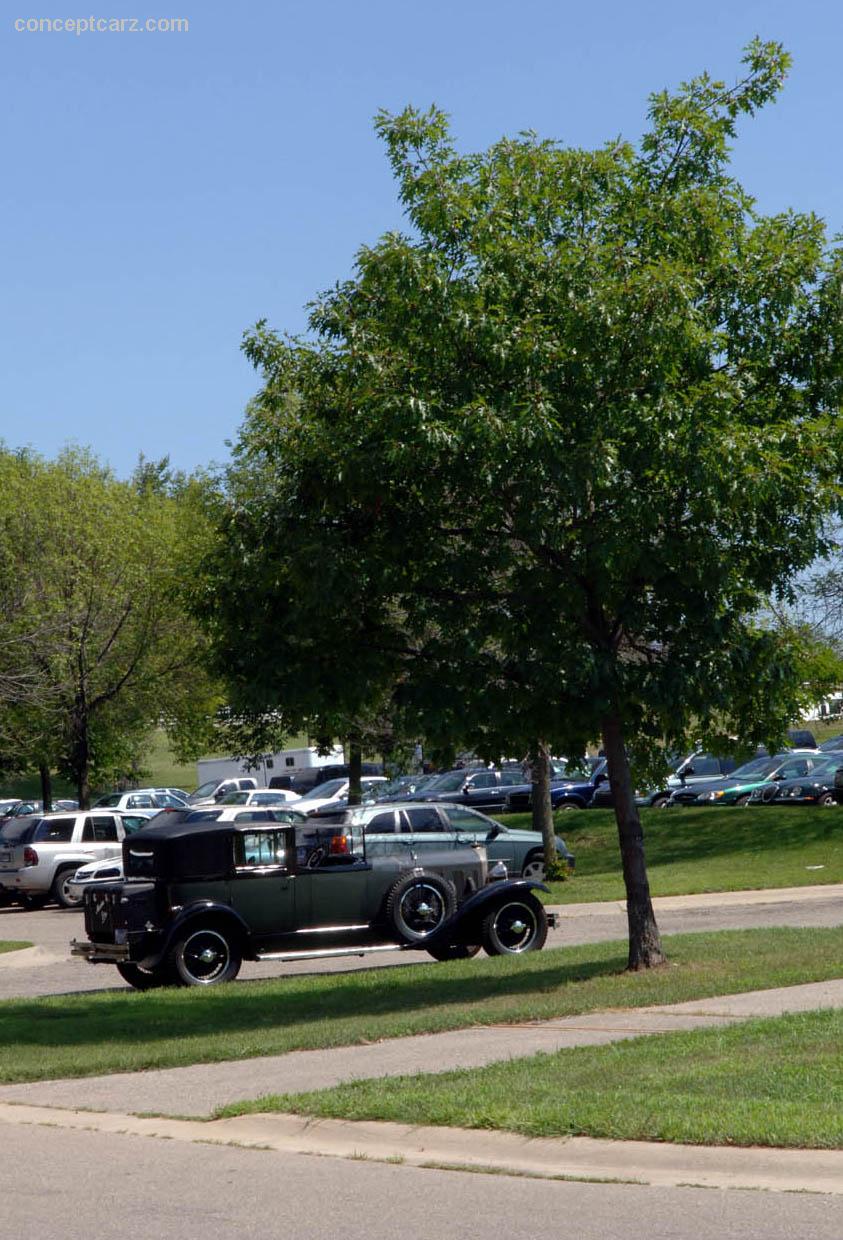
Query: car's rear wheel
x: 456, y: 951
x: 33, y: 903
x: 61, y: 892
x: 533, y: 867
x: 515, y: 927
x: 826, y: 799
x: 143, y: 979
x: 205, y: 956
x: 418, y: 904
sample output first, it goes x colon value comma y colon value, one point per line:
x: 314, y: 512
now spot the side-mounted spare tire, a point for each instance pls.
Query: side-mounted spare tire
x: 515, y: 926
x: 418, y: 904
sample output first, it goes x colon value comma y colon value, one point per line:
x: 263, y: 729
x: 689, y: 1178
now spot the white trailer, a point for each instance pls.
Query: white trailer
x: 290, y: 762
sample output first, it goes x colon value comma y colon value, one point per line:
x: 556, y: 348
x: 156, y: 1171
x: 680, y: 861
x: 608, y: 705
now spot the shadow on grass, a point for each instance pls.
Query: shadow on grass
x: 130, y: 1018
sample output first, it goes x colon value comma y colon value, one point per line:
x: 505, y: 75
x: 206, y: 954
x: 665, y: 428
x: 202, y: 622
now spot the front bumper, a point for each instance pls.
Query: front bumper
x: 99, y: 953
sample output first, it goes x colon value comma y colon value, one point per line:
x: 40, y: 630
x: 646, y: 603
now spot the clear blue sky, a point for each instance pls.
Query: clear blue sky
x: 163, y: 191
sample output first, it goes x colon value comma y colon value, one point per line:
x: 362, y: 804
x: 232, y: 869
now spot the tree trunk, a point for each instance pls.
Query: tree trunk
x: 645, y: 947
x: 540, y: 798
x: 46, y: 787
x: 81, y: 756
x: 355, y: 766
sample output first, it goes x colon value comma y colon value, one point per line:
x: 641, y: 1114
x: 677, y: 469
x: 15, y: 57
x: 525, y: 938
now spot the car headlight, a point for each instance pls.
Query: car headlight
x: 711, y: 796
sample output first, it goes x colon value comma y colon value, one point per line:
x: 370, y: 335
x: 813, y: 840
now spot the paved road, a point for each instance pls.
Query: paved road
x: 51, y: 970
x: 82, y: 1184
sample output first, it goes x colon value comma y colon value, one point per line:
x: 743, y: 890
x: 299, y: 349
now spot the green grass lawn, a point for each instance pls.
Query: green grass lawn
x: 82, y: 1035
x: 765, y: 1082
x: 706, y: 849
x: 12, y: 945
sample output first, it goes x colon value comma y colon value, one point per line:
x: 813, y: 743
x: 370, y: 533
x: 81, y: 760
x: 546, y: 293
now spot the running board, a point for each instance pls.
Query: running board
x: 335, y: 951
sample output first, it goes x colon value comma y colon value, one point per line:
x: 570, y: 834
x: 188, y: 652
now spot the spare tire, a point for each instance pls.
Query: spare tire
x: 418, y: 904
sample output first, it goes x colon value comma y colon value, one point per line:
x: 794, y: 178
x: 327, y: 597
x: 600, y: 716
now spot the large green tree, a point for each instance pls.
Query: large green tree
x: 97, y: 639
x: 574, y: 425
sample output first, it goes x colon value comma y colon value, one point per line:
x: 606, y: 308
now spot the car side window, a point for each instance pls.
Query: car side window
x: 381, y: 824
x: 105, y: 828
x: 255, y: 815
x: 465, y: 820
x: 256, y: 849
x: 705, y: 764
x: 795, y: 769
x: 56, y: 830
x: 510, y: 779
x: 426, y: 819
x: 485, y: 779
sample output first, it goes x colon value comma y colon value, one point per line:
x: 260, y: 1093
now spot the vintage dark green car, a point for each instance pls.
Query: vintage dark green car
x: 199, y: 897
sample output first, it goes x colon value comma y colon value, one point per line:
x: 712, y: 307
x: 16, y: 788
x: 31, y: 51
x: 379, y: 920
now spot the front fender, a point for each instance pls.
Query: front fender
x: 464, y: 925
x: 200, y: 909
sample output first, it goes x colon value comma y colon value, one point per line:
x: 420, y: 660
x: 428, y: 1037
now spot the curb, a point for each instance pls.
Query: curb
x: 569, y: 1158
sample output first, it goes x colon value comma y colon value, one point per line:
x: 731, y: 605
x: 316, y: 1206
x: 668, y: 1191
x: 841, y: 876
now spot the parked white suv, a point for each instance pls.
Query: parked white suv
x: 213, y: 791
x: 39, y: 855
x: 141, y: 798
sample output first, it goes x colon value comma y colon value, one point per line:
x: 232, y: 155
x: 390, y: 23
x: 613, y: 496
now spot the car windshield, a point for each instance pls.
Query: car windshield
x: 758, y: 768
x: 204, y: 790
x: 451, y: 781
x: 329, y: 789
x: 104, y: 802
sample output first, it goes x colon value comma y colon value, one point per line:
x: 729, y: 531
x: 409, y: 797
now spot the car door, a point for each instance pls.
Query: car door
x: 469, y: 826
x: 428, y: 829
x: 483, y: 791
x: 263, y: 889
x: 102, y: 835
x: 385, y: 834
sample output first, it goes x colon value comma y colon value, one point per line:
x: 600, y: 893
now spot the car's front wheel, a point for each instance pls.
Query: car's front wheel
x: 143, y: 979
x: 418, y: 904
x: 533, y: 867
x: 205, y: 956
x: 515, y: 927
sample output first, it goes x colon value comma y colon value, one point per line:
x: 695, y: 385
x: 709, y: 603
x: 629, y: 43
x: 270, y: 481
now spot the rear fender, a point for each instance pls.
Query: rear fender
x: 202, y: 910
x: 464, y: 925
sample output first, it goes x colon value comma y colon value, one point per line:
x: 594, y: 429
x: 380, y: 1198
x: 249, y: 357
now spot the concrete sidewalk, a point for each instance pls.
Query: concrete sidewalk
x: 198, y: 1090
x: 712, y: 899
